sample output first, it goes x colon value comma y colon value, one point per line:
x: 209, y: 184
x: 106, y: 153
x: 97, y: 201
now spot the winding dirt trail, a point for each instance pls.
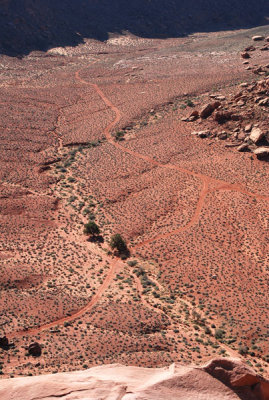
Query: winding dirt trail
x: 77, y: 314
x: 206, y: 181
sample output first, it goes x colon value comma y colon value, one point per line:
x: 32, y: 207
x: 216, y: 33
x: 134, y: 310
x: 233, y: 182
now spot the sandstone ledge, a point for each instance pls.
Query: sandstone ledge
x: 218, y: 379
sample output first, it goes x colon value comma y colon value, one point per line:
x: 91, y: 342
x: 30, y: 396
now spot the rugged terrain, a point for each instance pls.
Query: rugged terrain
x: 102, y: 131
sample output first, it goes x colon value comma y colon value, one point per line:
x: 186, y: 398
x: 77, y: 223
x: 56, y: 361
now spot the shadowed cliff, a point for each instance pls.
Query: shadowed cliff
x: 27, y: 25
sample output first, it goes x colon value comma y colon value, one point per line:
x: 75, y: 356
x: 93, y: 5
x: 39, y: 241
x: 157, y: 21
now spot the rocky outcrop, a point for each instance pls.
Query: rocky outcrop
x: 244, y: 116
x: 218, y: 379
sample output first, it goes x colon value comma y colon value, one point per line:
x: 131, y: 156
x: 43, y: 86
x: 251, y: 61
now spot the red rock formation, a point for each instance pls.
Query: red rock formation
x: 218, y: 379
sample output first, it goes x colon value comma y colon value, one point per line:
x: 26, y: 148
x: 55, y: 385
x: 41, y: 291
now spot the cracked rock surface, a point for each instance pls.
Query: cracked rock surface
x: 218, y: 379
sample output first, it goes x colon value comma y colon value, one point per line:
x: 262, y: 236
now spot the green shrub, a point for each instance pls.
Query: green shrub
x: 219, y: 333
x: 243, y: 350
x: 117, y: 242
x: 189, y: 103
x: 91, y: 228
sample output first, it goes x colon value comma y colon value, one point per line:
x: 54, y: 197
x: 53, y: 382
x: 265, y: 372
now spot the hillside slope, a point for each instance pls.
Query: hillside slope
x: 27, y: 25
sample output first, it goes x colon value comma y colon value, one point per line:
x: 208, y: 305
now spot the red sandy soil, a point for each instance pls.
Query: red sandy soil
x: 195, y: 216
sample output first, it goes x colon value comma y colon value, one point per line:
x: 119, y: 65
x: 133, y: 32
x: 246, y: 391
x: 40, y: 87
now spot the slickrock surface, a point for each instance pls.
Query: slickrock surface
x: 218, y: 379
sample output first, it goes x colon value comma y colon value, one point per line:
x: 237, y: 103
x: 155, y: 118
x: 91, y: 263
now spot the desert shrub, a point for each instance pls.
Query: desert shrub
x: 190, y: 103
x: 243, y: 350
x: 119, y: 135
x: 117, y: 242
x: 219, y: 333
x: 91, y: 228
x: 132, y: 263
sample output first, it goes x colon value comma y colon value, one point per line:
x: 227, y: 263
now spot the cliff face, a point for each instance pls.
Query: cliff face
x: 219, y: 379
x: 27, y: 25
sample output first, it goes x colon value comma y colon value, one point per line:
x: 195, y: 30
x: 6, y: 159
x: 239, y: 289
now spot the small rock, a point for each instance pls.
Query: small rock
x: 248, y: 128
x: 216, y: 104
x: 257, y: 38
x: 207, y: 111
x: 239, y: 94
x: 214, y: 95
x: 229, y: 145
x: 242, y: 147
x: 256, y: 135
x: 222, y: 116
x: 262, y: 152
x: 250, y: 88
x: 243, y: 85
x: 185, y: 119
x: 245, y: 55
x: 191, y: 119
x: 257, y: 99
x: 264, y: 48
x: 241, y: 136
x: 222, y: 135
x: 241, y: 103
x: 267, y: 39
x: 263, y: 102
x: 35, y: 349
x: 236, y: 117
x: 195, y: 113
x: 259, y: 69
x: 201, y: 134
x: 220, y: 98
x: 250, y: 48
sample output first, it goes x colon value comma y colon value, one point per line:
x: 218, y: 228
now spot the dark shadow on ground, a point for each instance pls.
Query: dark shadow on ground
x: 96, y: 239
x: 27, y: 25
